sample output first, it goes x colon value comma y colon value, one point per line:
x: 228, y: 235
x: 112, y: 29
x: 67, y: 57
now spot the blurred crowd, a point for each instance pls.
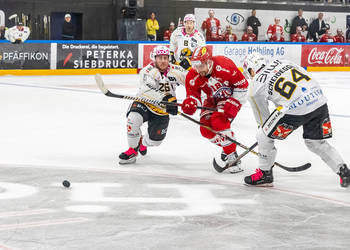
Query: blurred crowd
x: 300, y: 30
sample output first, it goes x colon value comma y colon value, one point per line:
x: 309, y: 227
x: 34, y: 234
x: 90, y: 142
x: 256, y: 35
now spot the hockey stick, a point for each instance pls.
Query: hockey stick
x: 289, y: 169
x: 105, y: 91
x: 220, y: 169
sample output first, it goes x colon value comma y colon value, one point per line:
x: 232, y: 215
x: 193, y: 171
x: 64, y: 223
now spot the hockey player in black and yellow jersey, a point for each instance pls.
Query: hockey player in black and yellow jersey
x: 158, y: 81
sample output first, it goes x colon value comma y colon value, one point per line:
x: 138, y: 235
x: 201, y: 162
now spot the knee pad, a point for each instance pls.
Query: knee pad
x: 267, y: 150
x: 222, y: 141
x: 263, y: 140
x: 217, y: 122
x: 205, y: 132
x: 134, y: 124
x: 315, y: 146
x: 149, y: 142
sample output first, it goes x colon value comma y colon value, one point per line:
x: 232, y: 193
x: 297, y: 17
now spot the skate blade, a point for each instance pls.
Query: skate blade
x: 235, y: 170
x: 125, y: 162
x: 260, y: 185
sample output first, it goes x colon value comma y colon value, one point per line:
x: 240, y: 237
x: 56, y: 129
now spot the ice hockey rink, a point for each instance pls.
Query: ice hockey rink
x: 56, y: 128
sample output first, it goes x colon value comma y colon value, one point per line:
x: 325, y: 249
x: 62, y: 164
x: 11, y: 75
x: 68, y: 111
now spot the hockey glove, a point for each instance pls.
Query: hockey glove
x: 171, y: 109
x: 231, y: 108
x: 189, y: 106
x: 172, y: 57
x: 186, y: 63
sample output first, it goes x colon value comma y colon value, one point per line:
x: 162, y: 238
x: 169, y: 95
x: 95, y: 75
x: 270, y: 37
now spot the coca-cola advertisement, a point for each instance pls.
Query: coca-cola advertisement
x: 324, y: 55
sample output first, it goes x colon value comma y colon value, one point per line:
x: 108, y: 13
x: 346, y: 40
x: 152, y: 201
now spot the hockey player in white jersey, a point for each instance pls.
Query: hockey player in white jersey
x: 299, y: 102
x: 184, y: 40
x: 158, y: 81
x: 17, y: 34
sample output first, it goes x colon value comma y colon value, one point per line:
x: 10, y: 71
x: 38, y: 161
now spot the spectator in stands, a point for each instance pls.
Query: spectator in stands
x: 2, y: 32
x: 151, y: 27
x: 339, y: 37
x: 167, y: 33
x: 327, y: 37
x: 68, y: 30
x: 229, y: 36
x: 254, y: 22
x: 299, y: 20
x: 317, y: 28
x: 211, y: 27
x: 275, y: 31
x: 298, y: 36
x: 249, y: 36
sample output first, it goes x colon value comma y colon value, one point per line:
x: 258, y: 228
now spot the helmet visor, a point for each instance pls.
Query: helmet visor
x: 198, y: 65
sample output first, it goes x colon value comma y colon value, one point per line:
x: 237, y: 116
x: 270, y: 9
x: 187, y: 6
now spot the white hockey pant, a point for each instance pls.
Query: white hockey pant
x: 327, y: 153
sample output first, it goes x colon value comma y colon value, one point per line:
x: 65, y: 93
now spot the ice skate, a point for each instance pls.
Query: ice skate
x: 227, y: 161
x: 128, y: 157
x: 142, y: 148
x: 260, y: 178
x: 344, y: 174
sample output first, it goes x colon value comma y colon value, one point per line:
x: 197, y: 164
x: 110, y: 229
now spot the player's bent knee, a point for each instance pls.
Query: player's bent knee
x: 219, y: 122
x: 314, y: 145
x: 151, y: 143
x: 207, y: 133
x: 263, y: 140
x: 135, y: 118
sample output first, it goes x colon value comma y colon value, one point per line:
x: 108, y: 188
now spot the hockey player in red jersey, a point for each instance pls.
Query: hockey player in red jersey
x: 225, y: 88
x: 327, y: 37
x: 249, y: 36
x: 229, y: 36
x: 275, y: 32
x: 298, y: 36
x: 339, y: 37
x: 212, y: 27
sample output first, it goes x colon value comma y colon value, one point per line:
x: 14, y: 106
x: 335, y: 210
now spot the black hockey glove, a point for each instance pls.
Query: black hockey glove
x: 172, y: 57
x: 186, y: 63
x: 171, y: 109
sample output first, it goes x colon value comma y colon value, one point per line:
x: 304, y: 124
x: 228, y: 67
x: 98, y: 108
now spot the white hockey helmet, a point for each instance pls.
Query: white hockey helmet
x: 190, y: 17
x: 159, y: 50
x: 254, y: 61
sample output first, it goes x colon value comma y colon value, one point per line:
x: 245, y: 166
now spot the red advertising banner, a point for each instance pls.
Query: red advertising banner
x: 147, y: 49
x: 325, y: 55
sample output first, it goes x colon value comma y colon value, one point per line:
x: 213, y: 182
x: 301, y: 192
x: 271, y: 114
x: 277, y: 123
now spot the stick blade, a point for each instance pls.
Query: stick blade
x: 294, y: 169
x: 100, y: 84
x: 217, y: 167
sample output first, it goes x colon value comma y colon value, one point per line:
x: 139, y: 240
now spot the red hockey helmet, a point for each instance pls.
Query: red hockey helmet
x: 201, y: 55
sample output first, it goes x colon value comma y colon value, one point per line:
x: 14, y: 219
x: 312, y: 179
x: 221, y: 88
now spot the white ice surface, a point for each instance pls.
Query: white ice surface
x: 54, y: 122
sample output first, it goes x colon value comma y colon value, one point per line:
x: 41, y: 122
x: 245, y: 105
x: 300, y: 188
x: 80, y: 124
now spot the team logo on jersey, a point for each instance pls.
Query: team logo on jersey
x: 219, y: 68
x: 223, y: 92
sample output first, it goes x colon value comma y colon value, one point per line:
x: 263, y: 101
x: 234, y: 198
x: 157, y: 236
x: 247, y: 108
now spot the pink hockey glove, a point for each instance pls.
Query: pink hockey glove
x: 189, y: 106
x: 231, y: 108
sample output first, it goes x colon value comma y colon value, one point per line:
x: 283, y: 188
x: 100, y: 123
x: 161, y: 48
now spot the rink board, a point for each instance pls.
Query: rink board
x: 127, y: 57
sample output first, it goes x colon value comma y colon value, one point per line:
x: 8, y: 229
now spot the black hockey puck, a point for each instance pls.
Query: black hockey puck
x: 66, y: 183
